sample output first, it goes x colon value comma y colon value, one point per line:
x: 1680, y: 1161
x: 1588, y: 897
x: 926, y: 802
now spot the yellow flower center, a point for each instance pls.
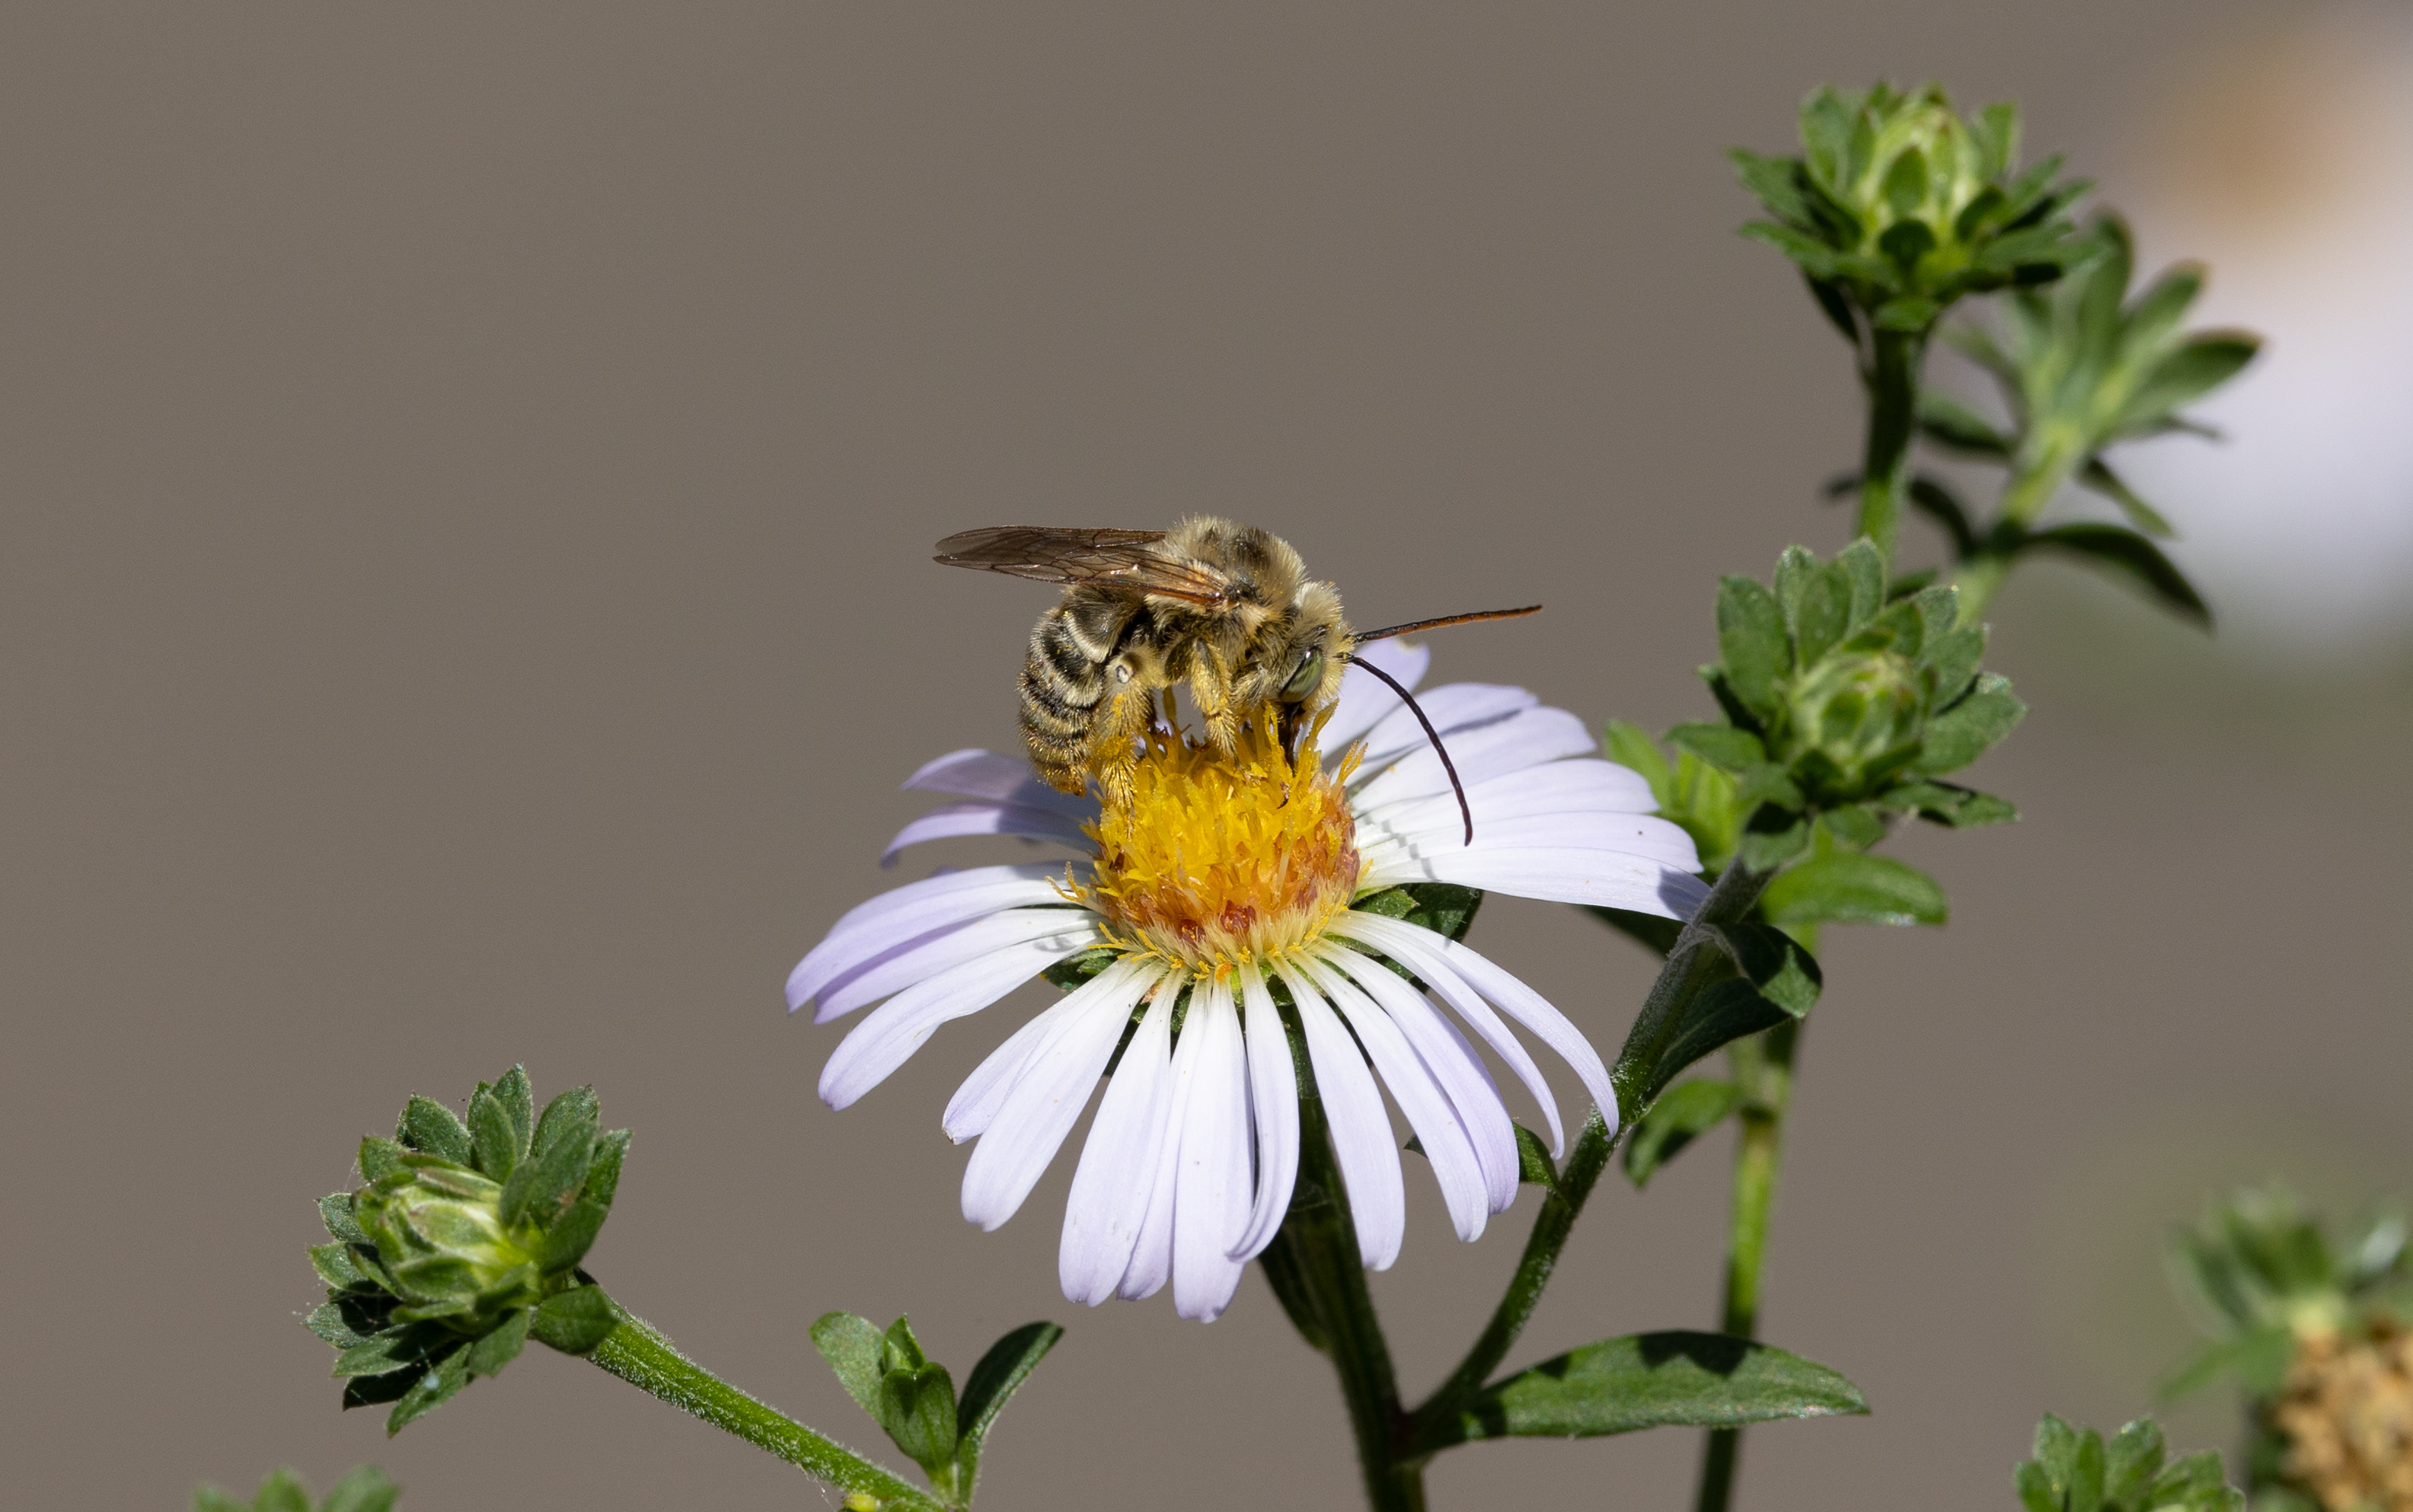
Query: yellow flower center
x: 1216, y: 859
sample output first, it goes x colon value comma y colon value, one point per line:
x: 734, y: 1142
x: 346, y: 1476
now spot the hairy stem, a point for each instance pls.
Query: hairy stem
x: 638, y: 1354
x: 1892, y: 379
x: 1314, y: 1268
x: 1763, y: 1068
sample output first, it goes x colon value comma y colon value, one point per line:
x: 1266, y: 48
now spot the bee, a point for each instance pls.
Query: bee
x: 1228, y: 609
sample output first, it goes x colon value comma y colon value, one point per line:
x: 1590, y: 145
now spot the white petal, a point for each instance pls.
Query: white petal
x: 976, y: 1101
x: 1628, y: 835
x: 903, y: 914
x: 1480, y: 754
x: 983, y: 816
x: 1151, y: 1261
x: 901, y: 966
x: 1211, y: 1192
x: 979, y: 774
x: 1383, y: 934
x: 1361, y: 1130
x: 890, y: 1033
x: 1452, y: 1066
x: 1363, y: 699
x: 1599, y: 878
x: 1580, y: 784
x: 1451, y: 706
x: 1044, y: 1104
x: 1117, y: 1170
x: 1273, y: 1094
x: 1423, y: 952
x: 1446, y: 1147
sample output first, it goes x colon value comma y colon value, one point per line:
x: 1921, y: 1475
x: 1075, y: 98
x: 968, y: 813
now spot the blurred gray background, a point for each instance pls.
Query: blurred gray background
x: 465, y: 597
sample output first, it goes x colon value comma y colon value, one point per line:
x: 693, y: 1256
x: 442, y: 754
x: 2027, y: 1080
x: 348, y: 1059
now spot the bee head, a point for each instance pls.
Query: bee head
x: 1305, y: 663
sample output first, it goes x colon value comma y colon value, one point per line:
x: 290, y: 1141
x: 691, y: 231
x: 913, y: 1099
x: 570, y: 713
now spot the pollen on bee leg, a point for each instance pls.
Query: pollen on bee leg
x: 1216, y: 858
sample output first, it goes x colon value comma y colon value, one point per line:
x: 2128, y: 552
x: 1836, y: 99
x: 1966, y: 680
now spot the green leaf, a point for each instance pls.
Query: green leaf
x: 1722, y: 746
x: 1954, y: 657
x: 492, y: 1140
x: 1775, y: 182
x: 1863, y: 568
x: 603, y: 1175
x: 398, y: 1349
x: 571, y: 1236
x: 853, y: 1346
x: 327, y: 1320
x: 1793, y: 570
x: 1851, y: 887
x: 1775, y: 963
x: 518, y: 1101
x: 1630, y: 746
x: 2132, y: 1461
x: 439, y: 1384
x: 282, y: 1492
x: 1856, y: 827
x: 1652, y: 1380
x: 2130, y: 556
x: 1647, y: 929
x: 1534, y: 1167
x: 488, y: 1355
x: 1911, y: 312
x: 428, y: 1125
x: 917, y: 1407
x: 571, y: 1116
x: 2101, y: 479
x: 2200, y: 365
x: 575, y: 1321
x: 216, y: 1499
x: 1940, y: 504
x: 2257, y: 1359
x: 1682, y: 1114
x: 1723, y: 1013
x: 336, y: 1267
x: 1814, y: 256
x: 375, y: 1390
x: 1823, y: 616
x: 1970, y: 727
x: 365, y: 1489
x: 1943, y: 803
x: 900, y: 1350
x: 1751, y: 643
x: 1000, y: 1373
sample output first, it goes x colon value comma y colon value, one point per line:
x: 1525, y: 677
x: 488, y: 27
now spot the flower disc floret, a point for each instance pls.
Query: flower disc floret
x: 1216, y: 859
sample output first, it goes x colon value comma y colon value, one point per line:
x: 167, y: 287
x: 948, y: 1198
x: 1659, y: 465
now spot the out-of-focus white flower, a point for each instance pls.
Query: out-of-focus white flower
x: 2284, y: 158
x: 1223, y: 877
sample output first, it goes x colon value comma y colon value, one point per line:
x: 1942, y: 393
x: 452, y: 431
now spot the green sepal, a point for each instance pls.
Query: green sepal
x: 365, y: 1489
x: 1682, y: 1114
x: 397, y: 1349
x: 1773, y: 836
x: 1971, y: 727
x: 439, y: 1384
x: 518, y: 1101
x: 216, y: 1499
x: 1444, y: 908
x: 501, y: 1347
x: 1722, y: 746
x: 603, y: 1175
x: 1652, y: 1380
x: 1856, y: 827
x: 1752, y: 644
x: 336, y: 1212
x: 1074, y: 970
x: 329, y: 1322
x: 576, y: 1321
x: 571, y: 1236
x: 917, y: 1408
x: 1853, y: 887
x: 494, y: 1145
x: 379, y: 1158
x: 556, y: 1162
x: 430, y: 1126
x: 338, y: 1267
x: 282, y: 1492
x: 900, y: 1350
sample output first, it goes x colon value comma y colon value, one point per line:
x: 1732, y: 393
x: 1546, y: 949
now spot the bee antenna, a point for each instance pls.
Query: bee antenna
x: 1445, y: 621
x: 1465, y: 810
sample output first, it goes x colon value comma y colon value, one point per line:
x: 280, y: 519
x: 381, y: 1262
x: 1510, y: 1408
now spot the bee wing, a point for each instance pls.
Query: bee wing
x: 1105, y: 558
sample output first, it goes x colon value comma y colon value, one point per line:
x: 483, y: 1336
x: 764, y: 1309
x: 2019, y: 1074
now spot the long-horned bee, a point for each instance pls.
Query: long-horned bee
x: 1228, y: 609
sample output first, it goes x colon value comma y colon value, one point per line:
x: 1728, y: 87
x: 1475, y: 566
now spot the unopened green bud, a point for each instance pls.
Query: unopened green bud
x: 466, y: 1240
x: 1855, y: 721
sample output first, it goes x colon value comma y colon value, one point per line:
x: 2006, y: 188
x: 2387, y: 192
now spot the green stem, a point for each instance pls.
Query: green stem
x: 1314, y: 1267
x: 638, y: 1354
x: 1892, y: 379
x: 1763, y: 1068
x: 1690, y: 970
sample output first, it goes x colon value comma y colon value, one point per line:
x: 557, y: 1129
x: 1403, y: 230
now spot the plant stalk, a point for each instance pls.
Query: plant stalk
x: 1314, y: 1267
x: 637, y: 1353
x: 1763, y: 1068
x: 1892, y: 379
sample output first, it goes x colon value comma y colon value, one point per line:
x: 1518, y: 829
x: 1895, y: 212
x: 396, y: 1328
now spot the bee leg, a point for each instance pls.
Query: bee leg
x: 1222, y: 714
x: 1114, y: 742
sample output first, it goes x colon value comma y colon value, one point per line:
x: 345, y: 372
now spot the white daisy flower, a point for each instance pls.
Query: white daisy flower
x: 1223, y: 877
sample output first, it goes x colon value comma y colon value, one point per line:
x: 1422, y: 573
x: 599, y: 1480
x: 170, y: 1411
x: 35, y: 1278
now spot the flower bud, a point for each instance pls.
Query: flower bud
x: 466, y: 1240
x: 1855, y: 721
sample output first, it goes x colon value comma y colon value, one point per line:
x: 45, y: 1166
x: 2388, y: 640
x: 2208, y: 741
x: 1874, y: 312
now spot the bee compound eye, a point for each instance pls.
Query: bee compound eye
x: 1305, y: 680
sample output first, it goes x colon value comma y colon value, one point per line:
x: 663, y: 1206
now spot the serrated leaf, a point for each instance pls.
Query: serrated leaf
x: 1751, y: 643
x: 501, y: 1347
x: 1653, y: 1380
x: 574, y: 1321
x: 428, y: 1125
x: 853, y: 1344
x: 1683, y: 1112
x: 2131, y: 556
x: 1970, y: 727
x: 1854, y: 887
